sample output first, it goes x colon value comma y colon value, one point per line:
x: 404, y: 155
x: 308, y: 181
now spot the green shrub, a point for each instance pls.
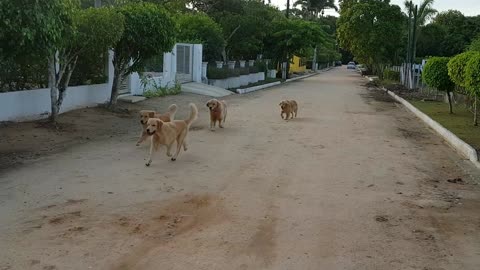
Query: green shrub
x: 244, y: 71
x: 253, y: 69
x: 155, y: 90
x: 391, y: 75
x: 214, y: 73
x: 435, y: 74
x: 456, y: 67
x: 472, y: 81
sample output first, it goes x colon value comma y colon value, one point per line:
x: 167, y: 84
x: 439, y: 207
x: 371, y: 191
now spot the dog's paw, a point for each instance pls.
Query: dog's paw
x: 212, y: 129
x: 173, y: 159
x: 148, y: 164
x: 221, y: 126
x: 137, y: 144
x: 169, y: 155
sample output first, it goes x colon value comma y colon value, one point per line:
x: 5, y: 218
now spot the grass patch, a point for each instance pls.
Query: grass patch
x: 163, y: 91
x: 460, y: 122
x: 267, y: 80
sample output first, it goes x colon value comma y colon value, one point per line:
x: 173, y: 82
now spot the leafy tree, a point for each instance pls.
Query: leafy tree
x: 372, y: 31
x: 293, y: 37
x: 475, y: 45
x: 472, y: 81
x: 458, y: 33
x: 149, y: 31
x: 435, y: 74
x: 200, y: 28
x: 314, y: 8
x: 57, y: 31
x: 418, y: 15
x: 428, y: 44
x: 457, y: 66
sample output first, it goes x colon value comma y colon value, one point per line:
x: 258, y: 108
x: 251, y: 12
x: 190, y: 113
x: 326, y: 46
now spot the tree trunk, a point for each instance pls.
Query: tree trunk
x: 52, y: 79
x: 450, y: 101
x: 117, y: 79
x: 64, y: 84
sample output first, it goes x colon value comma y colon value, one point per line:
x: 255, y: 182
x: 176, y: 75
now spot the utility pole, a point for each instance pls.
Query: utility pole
x: 287, y: 67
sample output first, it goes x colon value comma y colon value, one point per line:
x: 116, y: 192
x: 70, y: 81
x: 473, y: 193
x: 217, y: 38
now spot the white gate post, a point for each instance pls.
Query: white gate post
x: 197, y: 62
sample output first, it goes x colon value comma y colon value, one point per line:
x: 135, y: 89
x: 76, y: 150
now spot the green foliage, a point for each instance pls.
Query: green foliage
x: 293, y: 37
x: 435, y: 74
x: 214, y: 73
x: 472, y: 75
x: 246, y: 25
x: 33, y: 27
x: 457, y: 66
x: 199, y: 28
x: 475, y: 45
x: 459, y: 31
x: 371, y: 30
x: 244, y: 71
x: 149, y: 31
x: 391, y: 75
x: 23, y: 73
x: 152, y: 89
x: 431, y: 36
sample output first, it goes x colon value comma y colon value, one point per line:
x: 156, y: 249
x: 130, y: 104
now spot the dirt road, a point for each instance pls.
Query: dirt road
x: 355, y: 182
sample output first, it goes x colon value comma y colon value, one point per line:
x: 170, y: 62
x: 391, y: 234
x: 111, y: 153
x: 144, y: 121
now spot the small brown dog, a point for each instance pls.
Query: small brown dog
x: 218, y: 112
x: 289, y: 107
x: 166, y: 133
x: 145, y: 115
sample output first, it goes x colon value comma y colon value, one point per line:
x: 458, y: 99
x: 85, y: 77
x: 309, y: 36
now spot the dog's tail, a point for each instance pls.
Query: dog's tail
x: 172, y: 109
x: 193, y: 114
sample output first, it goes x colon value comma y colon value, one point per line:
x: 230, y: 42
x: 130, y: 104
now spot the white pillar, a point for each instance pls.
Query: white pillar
x: 197, y: 63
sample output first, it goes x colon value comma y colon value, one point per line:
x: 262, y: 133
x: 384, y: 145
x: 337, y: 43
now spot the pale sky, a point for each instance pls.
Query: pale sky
x: 467, y: 7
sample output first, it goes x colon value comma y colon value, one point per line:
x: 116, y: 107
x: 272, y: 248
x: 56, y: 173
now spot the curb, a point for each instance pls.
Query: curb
x: 458, y: 144
x: 301, y: 77
x: 255, y: 88
x: 263, y: 86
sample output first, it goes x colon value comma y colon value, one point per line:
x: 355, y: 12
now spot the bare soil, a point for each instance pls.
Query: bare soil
x: 355, y: 182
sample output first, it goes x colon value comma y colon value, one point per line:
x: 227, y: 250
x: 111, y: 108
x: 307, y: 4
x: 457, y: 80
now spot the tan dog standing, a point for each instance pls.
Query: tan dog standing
x: 289, y: 108
x: 166, y: 133
x: 218, y: 112
x: 145, y: 115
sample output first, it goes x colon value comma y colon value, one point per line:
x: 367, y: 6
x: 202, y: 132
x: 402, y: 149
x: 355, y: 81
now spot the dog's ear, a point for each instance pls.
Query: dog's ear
x: 151, y: 114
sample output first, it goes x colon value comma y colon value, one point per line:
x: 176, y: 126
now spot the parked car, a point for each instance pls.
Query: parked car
x: 338, y: 63
x: 351, y: 65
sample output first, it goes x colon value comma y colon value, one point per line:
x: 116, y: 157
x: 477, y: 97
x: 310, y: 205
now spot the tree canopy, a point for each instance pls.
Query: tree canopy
x: 371, y: 30
x: 199, y: 28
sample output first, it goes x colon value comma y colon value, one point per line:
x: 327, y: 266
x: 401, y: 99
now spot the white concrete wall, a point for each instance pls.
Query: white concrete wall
x: 35, y: 104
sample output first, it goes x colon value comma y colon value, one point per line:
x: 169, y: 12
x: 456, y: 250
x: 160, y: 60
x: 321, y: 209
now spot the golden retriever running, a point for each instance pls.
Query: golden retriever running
x: 145, y: 115
x: 218, y: 112
x: 166, y: 133
x: 289, y: 107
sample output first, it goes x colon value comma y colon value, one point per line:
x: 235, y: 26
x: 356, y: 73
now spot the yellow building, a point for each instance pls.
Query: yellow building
x: 299, y: 65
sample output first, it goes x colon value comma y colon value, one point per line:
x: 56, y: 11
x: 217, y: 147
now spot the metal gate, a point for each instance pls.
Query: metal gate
x: 184, y: 63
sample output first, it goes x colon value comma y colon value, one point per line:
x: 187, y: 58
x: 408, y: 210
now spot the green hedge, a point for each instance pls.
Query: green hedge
x: 435, y: 74
x: 214, y: 73
x: 391, y: 75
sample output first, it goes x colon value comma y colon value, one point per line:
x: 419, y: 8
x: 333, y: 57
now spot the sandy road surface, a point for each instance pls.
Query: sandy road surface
x: 355, y: 182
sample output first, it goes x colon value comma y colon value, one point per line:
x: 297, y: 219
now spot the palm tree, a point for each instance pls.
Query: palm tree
x: 419, y: 16
x: 315, y: 7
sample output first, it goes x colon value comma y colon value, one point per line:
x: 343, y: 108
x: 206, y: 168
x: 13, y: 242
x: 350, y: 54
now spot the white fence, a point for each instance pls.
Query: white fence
x: 35, y: 104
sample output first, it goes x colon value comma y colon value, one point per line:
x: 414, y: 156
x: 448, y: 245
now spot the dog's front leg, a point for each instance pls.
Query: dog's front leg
x: 169, y: 150
x: 143, y: 137
x: 150, y: 153
x: 212, y: 124
x: 281, y: 115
